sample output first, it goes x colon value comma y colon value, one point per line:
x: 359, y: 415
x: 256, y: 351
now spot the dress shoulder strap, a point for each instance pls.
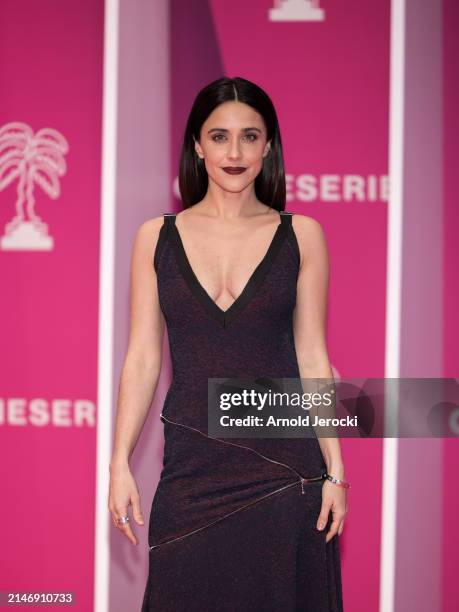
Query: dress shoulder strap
x: 169, y: 218
x: 291, y: 236
x: 168, y: 221
x: 286, y: 217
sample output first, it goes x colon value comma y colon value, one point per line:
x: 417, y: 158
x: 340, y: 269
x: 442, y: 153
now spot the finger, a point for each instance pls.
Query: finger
x: 114, y: 521
x: 333, y: 530
x: 114, y: 514
x: 338, y: 517
x: 125, y: 527
x: 341, y: 527
x: 127, y: 530
x: 137, y: 510
x: 323, y: 516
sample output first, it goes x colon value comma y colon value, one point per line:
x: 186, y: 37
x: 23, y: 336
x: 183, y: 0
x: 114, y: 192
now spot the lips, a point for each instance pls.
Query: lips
x: 234, y: 169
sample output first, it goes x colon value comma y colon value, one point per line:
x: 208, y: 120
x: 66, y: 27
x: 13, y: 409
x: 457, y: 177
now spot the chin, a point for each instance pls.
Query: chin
x: 236, y: 187
x: 235, y: 183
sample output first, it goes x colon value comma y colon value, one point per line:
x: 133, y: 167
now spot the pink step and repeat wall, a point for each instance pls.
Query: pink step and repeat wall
x: 51, y: 69
x: 328, y: 74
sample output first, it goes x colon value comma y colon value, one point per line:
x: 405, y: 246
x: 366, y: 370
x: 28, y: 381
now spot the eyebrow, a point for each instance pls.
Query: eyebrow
x: 247, y: 129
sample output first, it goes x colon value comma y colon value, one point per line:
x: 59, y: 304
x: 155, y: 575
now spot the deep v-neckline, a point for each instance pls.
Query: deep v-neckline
x: 224, y: 317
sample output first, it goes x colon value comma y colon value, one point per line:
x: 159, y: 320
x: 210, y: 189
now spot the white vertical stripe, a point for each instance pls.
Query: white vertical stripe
x: 393, y: 301
x: 106, y: 304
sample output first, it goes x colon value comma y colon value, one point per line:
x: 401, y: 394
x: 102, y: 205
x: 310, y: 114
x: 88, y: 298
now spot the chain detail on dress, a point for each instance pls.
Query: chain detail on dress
x: 225, y: 516
x: 302, y: 480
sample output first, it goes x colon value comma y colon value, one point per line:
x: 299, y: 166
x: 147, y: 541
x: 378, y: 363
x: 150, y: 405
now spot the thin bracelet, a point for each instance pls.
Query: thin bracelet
x: 336, y: 481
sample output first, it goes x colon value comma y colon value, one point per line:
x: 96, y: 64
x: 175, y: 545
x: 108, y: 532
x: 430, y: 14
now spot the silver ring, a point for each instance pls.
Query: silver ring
x: 122, y: 520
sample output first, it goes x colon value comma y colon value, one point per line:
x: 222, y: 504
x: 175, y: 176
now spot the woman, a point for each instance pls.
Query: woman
x: 250, y: 523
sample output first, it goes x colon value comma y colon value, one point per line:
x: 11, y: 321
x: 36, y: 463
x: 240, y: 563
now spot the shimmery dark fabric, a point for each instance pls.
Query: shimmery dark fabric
x: 229, y: 530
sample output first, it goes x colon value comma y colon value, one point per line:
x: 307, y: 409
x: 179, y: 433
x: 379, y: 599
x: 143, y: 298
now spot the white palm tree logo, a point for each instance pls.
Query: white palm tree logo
x: 34, y: 159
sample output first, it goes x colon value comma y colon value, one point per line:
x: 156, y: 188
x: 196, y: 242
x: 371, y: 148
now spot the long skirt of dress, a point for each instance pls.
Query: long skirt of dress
x: 269, y: 557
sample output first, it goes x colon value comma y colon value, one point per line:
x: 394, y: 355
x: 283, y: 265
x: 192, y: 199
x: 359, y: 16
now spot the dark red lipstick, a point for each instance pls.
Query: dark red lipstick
x: 234, y: 169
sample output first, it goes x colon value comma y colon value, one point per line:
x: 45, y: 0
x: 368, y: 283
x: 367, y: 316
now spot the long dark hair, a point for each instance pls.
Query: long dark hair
x: 193, y: 180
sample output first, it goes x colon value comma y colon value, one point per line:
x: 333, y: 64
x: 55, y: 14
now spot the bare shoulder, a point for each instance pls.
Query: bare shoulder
x: 306, y: 226
x: 146, y: 236
x: 150, y: 228
x: 310, y: 236
x: 148, y: 231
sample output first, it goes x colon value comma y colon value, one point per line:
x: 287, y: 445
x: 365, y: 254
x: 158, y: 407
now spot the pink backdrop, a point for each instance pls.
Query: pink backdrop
x: 51, y: 75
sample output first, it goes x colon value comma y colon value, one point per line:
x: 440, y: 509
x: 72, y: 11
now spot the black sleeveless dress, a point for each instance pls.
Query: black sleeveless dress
x: 233, y: 522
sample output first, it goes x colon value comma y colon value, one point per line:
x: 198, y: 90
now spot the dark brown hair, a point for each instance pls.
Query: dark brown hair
x: 193, y: 180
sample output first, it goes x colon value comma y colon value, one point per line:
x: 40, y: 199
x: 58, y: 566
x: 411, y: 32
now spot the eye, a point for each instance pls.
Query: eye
x: 249, y: 137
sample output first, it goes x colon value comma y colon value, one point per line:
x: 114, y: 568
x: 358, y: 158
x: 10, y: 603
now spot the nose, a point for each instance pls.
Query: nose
x: 234, y: 151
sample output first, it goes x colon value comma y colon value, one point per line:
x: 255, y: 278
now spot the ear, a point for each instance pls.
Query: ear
x: 197, y: 148
x: 267, y: 148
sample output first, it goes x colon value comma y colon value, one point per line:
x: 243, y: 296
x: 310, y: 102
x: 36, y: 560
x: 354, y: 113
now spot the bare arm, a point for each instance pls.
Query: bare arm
x: 140, y: 373
x: 142, y: 365
x: 309, y: 322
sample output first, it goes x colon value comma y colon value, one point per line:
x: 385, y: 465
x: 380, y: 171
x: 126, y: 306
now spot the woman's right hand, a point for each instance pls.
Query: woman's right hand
x: 124, y: 493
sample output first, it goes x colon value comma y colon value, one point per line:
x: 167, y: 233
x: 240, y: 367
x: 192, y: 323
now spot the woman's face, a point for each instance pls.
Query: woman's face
x: 233, y: 135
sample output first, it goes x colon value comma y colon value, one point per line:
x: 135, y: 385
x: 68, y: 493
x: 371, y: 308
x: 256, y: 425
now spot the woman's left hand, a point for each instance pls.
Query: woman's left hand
x: 334, y: 499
